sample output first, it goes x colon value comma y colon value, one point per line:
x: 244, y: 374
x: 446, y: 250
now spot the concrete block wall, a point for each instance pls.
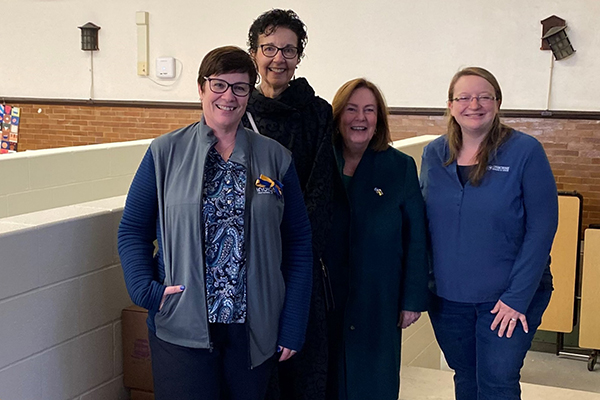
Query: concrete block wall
x: 43, y: 179
x: 61, y: 296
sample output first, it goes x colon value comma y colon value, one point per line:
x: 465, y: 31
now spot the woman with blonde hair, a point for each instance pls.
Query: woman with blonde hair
x: 493, y: 210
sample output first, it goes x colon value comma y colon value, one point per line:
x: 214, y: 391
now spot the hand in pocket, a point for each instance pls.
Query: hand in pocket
x: 170, y: 290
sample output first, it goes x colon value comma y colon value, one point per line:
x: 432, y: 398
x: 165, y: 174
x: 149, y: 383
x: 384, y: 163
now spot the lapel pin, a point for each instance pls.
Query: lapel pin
x: 378, y: 191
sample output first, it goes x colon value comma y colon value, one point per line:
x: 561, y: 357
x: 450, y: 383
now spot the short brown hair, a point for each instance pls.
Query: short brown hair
x: 225, y: 60
x: 382, y: 138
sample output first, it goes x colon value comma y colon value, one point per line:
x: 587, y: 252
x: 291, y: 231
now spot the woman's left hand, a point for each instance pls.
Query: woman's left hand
x: 507, y: 319
x: 286, y: 353
x: 407, y: 318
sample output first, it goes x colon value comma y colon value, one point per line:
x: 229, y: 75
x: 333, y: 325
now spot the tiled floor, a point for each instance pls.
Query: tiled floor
x: 548, y: 369
x: 429, y: 384
x: 544, y: 377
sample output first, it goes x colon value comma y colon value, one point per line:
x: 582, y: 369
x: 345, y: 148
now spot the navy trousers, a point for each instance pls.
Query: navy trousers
x: 221, y: 373
x: 486, y: 367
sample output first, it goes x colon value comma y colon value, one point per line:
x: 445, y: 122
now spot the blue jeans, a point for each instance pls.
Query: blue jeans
x: 486, y: 367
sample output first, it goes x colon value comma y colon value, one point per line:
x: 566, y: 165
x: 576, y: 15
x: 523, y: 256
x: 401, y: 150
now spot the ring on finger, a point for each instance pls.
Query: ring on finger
x: 513, y: 320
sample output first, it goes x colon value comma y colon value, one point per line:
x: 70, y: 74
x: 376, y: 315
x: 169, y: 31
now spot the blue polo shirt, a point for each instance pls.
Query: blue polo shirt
x: 491, y: 241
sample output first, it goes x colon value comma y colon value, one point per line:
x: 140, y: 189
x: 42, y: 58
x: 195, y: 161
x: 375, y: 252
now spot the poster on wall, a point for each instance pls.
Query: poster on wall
x: 10, y: 117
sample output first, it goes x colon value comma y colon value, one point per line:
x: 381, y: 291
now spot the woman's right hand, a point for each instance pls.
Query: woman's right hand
x: 169, y: 290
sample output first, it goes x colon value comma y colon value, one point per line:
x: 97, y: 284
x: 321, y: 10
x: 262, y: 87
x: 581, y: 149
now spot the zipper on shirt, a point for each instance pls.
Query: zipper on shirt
x: 202, y: 238
x: 210, y: 342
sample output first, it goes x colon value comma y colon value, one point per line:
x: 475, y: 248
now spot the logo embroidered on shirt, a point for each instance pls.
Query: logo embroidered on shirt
x: 498, y: 168
x: 266, y: 185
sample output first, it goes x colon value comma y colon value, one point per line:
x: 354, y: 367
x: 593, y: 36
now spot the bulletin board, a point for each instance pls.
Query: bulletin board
x: 11, y: 118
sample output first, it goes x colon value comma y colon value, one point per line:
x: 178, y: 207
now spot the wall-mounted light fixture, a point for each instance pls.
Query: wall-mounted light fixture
x: 89, y: 37
x: 89, y: 42
x: 554, y: 37
x: 547, y: 24
x: 559, y: 42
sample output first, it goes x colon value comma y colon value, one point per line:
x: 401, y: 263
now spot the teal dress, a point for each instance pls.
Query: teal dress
x: 377, y: 264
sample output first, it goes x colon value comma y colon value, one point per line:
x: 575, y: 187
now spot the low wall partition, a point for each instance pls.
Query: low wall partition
x: 61, y: 296
x: 42, y: 179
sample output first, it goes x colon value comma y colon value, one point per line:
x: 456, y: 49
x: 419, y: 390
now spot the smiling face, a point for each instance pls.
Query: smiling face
x: 223, y: 111
x: 359, y: 119
x: 276, y: 72
x: 474, y: 118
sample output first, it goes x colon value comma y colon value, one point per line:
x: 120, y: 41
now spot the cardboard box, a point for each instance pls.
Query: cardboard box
x: 137, y: 364
x: 139, y: 395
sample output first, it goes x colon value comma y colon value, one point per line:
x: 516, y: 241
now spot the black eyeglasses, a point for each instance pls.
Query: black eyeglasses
x: 270, y: 51
x: 240, y: 89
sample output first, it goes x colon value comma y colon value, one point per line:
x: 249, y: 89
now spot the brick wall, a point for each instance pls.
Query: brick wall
x: 64, y: 125
x: 573, y: 146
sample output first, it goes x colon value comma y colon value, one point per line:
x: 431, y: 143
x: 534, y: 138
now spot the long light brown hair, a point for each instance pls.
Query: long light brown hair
x: 497, y: 135
x: 382, y: 137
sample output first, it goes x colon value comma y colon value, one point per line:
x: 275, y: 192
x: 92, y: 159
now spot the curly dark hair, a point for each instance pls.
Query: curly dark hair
x: 270, y: 20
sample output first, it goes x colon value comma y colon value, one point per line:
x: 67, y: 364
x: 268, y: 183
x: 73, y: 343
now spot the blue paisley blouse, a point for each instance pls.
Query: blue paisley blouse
x: 223, y: 203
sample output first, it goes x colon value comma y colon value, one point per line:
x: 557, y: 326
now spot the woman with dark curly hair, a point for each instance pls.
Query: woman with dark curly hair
x: 287, y: 110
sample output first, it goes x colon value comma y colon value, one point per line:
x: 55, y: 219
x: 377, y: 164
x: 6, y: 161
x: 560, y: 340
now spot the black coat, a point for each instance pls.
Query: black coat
x: 378, y: 267
x: 303, y: 123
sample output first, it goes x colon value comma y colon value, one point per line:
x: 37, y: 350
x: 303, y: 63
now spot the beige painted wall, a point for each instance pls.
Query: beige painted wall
x: 43, y: 179
x: 410, y: 48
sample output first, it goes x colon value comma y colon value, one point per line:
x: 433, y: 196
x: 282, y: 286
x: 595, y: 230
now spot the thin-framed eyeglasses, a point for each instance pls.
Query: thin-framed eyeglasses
x: 484, y: 99
x: 240, y: 89
x: 270, y: 51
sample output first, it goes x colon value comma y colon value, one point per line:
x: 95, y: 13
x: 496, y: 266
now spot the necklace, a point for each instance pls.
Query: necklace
x: 225, y: 152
